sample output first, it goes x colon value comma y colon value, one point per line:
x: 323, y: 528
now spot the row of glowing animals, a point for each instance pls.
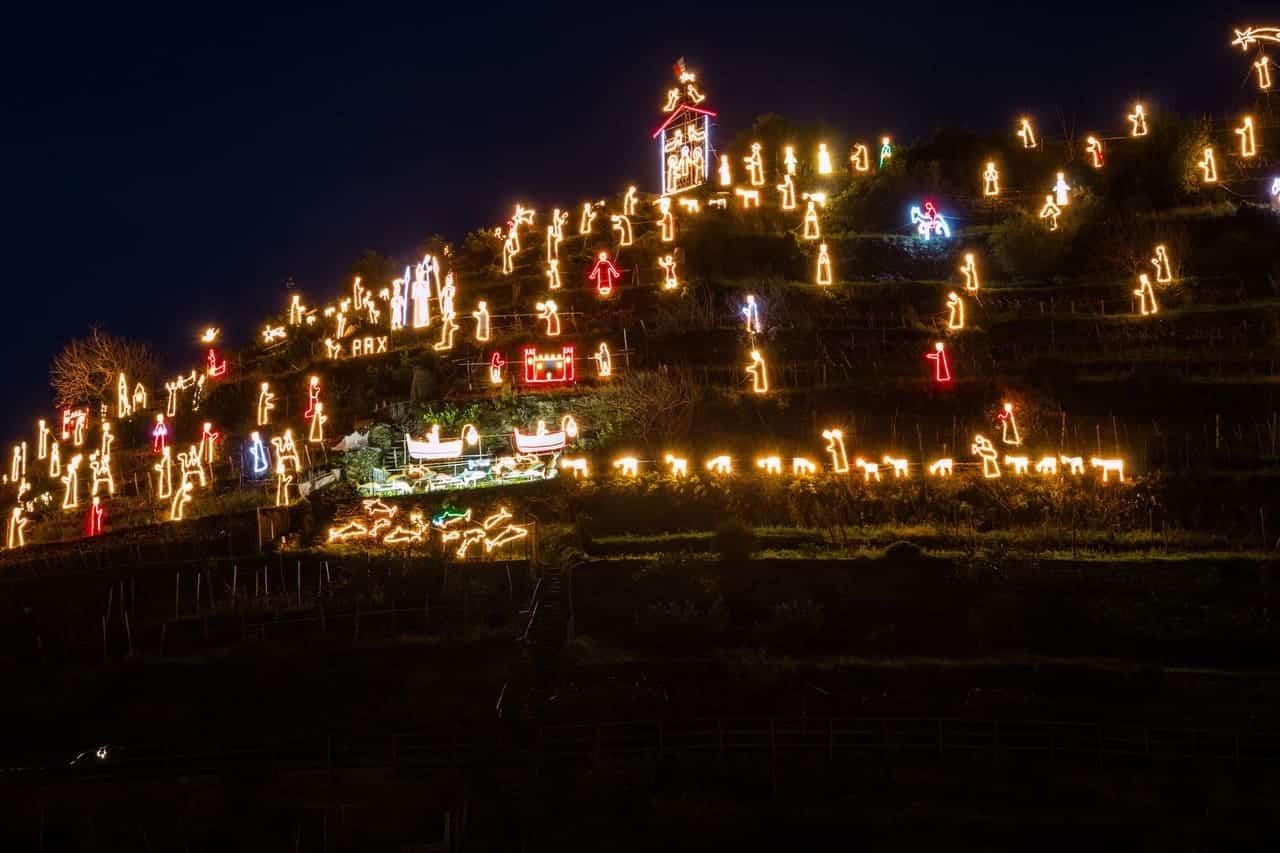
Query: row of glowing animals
x: 380, y: 524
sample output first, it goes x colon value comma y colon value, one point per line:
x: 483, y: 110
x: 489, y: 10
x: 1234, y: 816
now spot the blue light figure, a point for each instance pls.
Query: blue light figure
x: 260, y: 456
x: 929, y: 222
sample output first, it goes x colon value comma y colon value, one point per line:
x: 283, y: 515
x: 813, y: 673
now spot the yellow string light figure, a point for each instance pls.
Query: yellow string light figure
x: 1048, y: 466
x: 1263, y: 67
x: 1050, y: 213
x: 755, y: 165
x: 758, y: 370
x: 553, y: 274
x: 71, y: 483
x: 1164, y: 270
x: 969, y: 269
x: 669, y: 280
x: 991, y: 180
x: 549, y: 312
x: 1109, y: 466
x: 787, y: 189
x: 604, y: 361
x: 100, y: 468
x: 955, y: 312
x: 678, y: 465
x: 1248, y: 146
x: 668, y: 220
x: 835, y: 447
x: 720, y: 465
x: 629, y: 202
x: 628, y: 466
x: 190, y: 463
x: 266, y: 404
x: 55, y: 461
x: 579, y: 467
x: 318, y: 419
x: 750, y: 198
x: 897, y: 465
x: 726, y: 173
x: 860, y: 158
x: 824, y: 159
x: 1026, y: 133
x: 690, y: 205
x: 812, y: 230
x: 1009, y: 426
x: 1093, y: 148
x: 823, y: 275
x: 1146, y: 296
x: 621, y: 224
x: 770, y: 464
x: 943, y: 467
x: 509, y: 248
x: 482, y: 321
x: 1019, y: 464
x: 1138, y: 121
x: 986, y: 451
x: 164, y: 473
x: 1209, y: 165
x: 182, y: 497
x: 870, y: 470
x: 42, y: 439
x: 588, y: 218
x: 139, y: 397
x: 124, y: 399
x: 802, y: 467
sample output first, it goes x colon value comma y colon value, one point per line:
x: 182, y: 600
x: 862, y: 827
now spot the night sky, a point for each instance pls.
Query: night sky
x: 169, y: 169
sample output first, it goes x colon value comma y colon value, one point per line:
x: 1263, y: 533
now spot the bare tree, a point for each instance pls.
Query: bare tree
x: 87, y: 369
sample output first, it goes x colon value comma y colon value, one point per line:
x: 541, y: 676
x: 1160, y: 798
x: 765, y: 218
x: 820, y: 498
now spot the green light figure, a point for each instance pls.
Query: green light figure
x: 886, y: 150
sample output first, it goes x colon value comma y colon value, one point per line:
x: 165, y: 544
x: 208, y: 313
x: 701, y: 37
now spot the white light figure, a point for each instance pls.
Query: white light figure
x: 1009, y: 426
x: 139, y: 397
x: 629, y: 202
x: 755, y: 165
x: 164, y: 473
x: 1164, y: 271
x: 627, y: 465
x: 549, y: 312
x: 751, y: 314
x: 1026, y: 133
x: 690, y: 205
x: 108, y: 439
x: 297, y: 311
x: 259, y: 458
x: 870, y: 470
x: 668, y: 264
x: 482, y: 321
x: 553, y: 274
x: 420, y: 292
x: 986, y: 451
x: 1275, y: 194
x: 55, y: 461
x: 100, y: 468
x: 42, y: 439
x: 1209, y: 166
x: 929, y: 221
x: 822, y: 274
x: 811, y: 229
x: 16, y: 464
x: 510, y: 246
x: 750, y: 198
x: 1050, y: 212
x: 315, y: 435
x: 604, y: 360
x: 522, y: 216
x: 726, y: 174
x: 588, y: 219
x: 679, y: 466
x: 1018, y: 463
x: 720, y: 465
x: 448, y: 316
x: 71, y: 482
x: 286, y: 452
x: 1062, y: 192
x: 622, y: 224
x: 955, y: 312
x: 898, y: 465
x: 271, y: 334
x: 860, y: 158
x: 1263, y: 67
x: 124, y: 399
x: 208, y: 438
x: 886, y: 150
x: 970, y: 272
x: 1108, y: 467
x: 159, y: 435
x: 789, y: 159
x: 668, y: 220
x: 1138, y: 121
x: 182, y: 497
x: 991, y: 180
x: 496, y: 364
x: 1093, y: 147
x: 759, y: 373
x: 1248, y: 146
x: 1048, y: 465
x: 266, y: 403
x: 835, y: 447
x: 16, y: 534
x: 398, y: 302
x: 787, y: 189
x: 942, y: 467
x: 1146, y: 296
x: 824, y: 159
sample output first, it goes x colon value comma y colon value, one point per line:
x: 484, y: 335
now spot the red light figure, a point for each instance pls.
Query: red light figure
x: 159, y: 435
x: 93, y: 521
x: 604, y: 274
x: 313, y: 396
x: 216, y: 368
x: 941, y: 368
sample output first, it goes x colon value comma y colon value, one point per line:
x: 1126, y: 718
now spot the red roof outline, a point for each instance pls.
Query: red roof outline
x: 683, y: 108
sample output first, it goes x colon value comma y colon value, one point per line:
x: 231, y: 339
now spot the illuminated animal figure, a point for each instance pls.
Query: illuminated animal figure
x: 770, y: 464
x: 750, y: 198
x: 1108, y: 467
x: 720, y: 465
x: 801, y: 467
x: 354, y: 529
x: 983, y: 449
x: 870, y: 470
x: 835, y: 447
x: 722, y: 203
x: 627, y: 465
x: 929, y: 222
x: 407, y: 535
x: 899, y: 466
x: 577, y: 466
x: 1018, y: 463
x: 1047, y: 466
x: 942, y: 467
x: 679, y: 467
x: 691, y: 205
x: 1075, y: 464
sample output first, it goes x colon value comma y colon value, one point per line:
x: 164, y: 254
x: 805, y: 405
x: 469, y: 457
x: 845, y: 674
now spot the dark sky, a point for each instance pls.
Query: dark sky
x: 172, y: 167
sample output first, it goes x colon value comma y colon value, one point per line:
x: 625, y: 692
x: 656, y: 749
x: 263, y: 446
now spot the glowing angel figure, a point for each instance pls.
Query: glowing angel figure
x: 668, y: 264
x: 315, y: 435
x: 1138, y: 121
x: 941, y: 367
x: 1093, y: 147
x: 991, y: 180
x: 1164, y: 272
x: 551, y: 313
x: 789, y: 159
x: 1008, y: 426
x: 755, y: 165
x: 824, y: 160
x: 1026, y: 133
x: 1263, y: 67
x: 751, y: 314
x: 622, y: 224
x: 259, y: 457
x: 266, y: 403
x: 208, y: 438
x: 812, y: 231
x: 835, y: 447
x: 496, y: 365
x: 1050, y: 213
x: 1209, y: 166
x: 860, y: 158
x: 71, y: 482
x: 1248, y: 146
x: 42, y: 439
x: 970, y: 272
x: 726, y: 174
x: 553, y: 274
x: 986, y: 451
x: 181, y: 497
x: 159, y: 435
x: 823, y: 273
x: 588, y: 219
x: 955, y: 312
x: 667, y: 219
x: 604, y: 361
x: 604, y: 274
x: 759, y: 373
x: 55, y: 461
x: 929, y: 222
x: 787, y: 189
x: 482, y: 321
x: 100, y: 468
x: 124, y: 399
x: 398, y: 304
x: 1146, y: 296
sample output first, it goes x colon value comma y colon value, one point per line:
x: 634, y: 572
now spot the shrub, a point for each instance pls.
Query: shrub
x: 792, y: 623
x: 735, y: 541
